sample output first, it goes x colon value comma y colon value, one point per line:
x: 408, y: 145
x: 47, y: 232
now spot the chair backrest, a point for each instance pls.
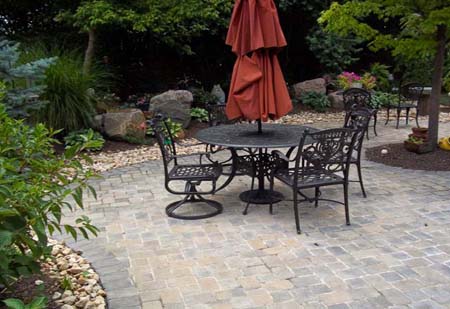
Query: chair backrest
x: 359, y: 121
x: 165, y: 140
x: 410, y: 93
x: 326, y: 151
x: 356, y: 98
x: 217, y: 115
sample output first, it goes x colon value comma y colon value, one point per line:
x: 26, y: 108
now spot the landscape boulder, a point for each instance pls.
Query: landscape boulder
x: 336, y: 100
x: 122, y: 124
x: 175, y: 104
x: 318, y: 85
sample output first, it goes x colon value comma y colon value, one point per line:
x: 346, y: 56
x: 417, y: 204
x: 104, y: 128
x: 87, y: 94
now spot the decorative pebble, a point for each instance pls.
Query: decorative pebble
x: 38, y: 282
x: 384, y: 151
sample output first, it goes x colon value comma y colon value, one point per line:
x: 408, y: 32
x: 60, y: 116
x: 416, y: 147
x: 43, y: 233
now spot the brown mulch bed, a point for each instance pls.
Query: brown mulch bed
x: 398, y: 156
x: 26, y: 290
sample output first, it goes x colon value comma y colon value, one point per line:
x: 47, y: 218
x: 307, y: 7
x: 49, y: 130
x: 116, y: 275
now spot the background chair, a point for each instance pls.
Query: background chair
x: 360, y: 122
x: 323, y: 159
x: 359, y: 100
x: 408, y: 98
x: 191, y: 174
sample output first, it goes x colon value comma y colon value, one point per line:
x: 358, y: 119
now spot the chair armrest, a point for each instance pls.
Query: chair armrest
x: 195, y: 154
x: 184, y: 144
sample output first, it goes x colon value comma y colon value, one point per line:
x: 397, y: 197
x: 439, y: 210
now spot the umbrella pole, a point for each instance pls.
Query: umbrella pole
x: 259, y: 126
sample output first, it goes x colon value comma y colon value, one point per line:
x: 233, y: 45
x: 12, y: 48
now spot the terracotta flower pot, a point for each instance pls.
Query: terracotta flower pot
x: 420, y: 133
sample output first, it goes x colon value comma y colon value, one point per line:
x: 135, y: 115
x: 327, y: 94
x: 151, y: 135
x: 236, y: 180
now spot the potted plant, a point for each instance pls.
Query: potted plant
x: 417, y: 141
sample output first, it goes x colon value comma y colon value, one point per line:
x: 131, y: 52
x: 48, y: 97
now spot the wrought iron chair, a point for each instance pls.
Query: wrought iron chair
x: 323, y: 159
x: 408, y: 98
x: 358, y: 100
x: 192, y: 174
x: 360, y: 122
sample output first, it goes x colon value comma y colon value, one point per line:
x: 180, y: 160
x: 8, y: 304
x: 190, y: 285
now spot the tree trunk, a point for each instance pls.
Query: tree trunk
x: 438, y: 71
x: 89, y: 54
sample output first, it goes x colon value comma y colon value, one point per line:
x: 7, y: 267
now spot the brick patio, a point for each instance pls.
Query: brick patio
x: 395, y: 254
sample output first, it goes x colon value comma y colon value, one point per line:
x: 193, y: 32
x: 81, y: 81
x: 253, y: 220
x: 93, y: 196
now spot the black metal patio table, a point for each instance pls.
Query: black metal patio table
x: 246, y: 136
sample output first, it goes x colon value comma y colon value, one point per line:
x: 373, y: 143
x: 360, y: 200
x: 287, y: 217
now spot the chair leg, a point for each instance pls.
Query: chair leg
x: 398, y: 117
x: 388, y: 112
x: 347, y: 212
x: 271, y: 190
x: 245, y: 212
x: 297, y: 218
x: 358, y: 166
x: 407, y: 116
x: 375, y: 116
x: 193, y: 198
x: 417, y: 117
x: 316, y: 197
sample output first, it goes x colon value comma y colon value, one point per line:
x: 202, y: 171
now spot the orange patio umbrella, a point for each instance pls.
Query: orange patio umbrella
x: 258, y: 90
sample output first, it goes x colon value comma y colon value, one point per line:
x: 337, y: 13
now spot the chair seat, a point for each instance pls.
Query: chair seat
x: 195, y: 172
x: 309, y: 177
x: 406, y: 105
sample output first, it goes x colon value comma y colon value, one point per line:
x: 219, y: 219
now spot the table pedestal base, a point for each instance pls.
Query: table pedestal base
x: 261, y: 196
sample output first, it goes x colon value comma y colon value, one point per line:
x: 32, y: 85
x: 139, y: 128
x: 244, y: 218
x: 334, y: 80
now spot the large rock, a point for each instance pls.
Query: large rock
x: 175, y: 104
x: 122, y: 124
x: 337, y: 100
x: 318, y: 85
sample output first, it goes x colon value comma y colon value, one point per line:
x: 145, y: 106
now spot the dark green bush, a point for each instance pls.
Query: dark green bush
x: 317, y: 101
x: 35, y: 188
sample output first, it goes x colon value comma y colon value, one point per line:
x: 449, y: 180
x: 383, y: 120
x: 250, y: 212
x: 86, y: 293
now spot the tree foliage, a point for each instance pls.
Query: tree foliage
x: 417, y: 21
x: 333, y: 51
x: 173, y: 22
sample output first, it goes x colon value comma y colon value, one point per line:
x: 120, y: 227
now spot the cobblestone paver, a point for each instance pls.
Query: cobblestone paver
x: 395, y: 254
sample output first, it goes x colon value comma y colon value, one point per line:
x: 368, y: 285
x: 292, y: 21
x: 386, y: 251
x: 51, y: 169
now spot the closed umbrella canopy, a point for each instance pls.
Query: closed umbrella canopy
x: 258, y: 90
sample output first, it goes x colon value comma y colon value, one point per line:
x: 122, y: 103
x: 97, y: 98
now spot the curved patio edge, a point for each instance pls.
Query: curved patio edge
x: 121, y: 291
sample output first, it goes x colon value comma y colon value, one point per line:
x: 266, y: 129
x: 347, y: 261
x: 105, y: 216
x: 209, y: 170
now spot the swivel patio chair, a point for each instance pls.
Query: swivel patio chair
x: 193, y: 175
x: 358, y: 121
x: 408, y: 98
x: 358, y: 100
x: 323, y: 159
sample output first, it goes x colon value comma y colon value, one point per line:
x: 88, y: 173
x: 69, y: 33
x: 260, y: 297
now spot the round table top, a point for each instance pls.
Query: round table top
x: 245, y: 135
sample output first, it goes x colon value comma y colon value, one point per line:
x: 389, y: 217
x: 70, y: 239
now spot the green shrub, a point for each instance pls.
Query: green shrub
x: 203, y: 97
x: 89, y: 138
x: 381, y: 72
x: 200, y: 114
x: 35, y: 188
x: 175, y: 128
x: 382, y: 99
x: 317, y: 101
x: 69, y: 92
